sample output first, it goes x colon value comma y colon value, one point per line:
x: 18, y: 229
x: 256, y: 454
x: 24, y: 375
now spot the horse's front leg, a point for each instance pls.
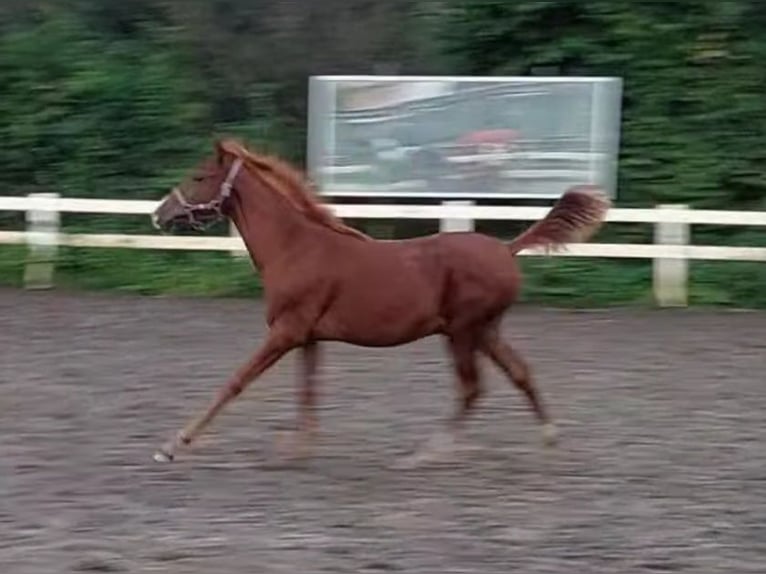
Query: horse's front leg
x: 307, y: 394
x: 275, y: 347
x: 303, y: 440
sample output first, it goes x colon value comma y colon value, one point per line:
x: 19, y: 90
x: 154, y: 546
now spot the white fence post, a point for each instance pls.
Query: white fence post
x: 456, y: 224
x: 240, y: 251
x: 42, y: 244
x: 671, y: 274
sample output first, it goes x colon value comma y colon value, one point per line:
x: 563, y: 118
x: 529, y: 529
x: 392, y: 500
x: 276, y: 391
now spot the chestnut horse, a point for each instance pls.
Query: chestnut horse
x: 325, y: 281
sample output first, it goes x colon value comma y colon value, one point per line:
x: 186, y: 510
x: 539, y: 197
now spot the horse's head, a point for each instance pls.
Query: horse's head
x: 201, y: 199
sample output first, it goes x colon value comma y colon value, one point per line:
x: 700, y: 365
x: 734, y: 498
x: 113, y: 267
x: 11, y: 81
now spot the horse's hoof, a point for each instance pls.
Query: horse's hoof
x: 440, y: 448
x: 405, y: 463
x: 413, y: 461
x: 292, y: 447
x: 550, y: 434
x: 470, y: 448
x: 421, y: 459
x: 161, y: 456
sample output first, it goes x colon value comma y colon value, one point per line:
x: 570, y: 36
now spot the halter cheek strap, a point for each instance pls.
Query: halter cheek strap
x: 228, y: 183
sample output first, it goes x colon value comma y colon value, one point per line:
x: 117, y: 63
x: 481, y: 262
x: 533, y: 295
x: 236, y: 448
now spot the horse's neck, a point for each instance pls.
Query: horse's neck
x: 269, y: 229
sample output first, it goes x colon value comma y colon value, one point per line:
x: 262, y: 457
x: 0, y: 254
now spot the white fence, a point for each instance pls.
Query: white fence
x: 670, y: 252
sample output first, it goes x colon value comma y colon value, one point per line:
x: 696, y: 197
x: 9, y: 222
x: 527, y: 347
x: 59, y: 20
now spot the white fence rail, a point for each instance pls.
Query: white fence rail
x: 670, y: 252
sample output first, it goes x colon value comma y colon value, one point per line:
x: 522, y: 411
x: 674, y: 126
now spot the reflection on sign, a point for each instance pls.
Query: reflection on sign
x: 462, y: 137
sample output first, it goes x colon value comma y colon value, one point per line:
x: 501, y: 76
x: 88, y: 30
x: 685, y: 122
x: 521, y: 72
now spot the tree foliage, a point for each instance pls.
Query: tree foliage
x: 81, y: 115
x: 100, y: 98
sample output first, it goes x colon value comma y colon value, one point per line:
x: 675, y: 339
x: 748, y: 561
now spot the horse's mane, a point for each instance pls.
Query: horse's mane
x: 290, y: 183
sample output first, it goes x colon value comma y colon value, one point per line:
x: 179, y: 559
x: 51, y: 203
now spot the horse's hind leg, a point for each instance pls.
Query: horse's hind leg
x: 519, y: 373
x: 463, y: 347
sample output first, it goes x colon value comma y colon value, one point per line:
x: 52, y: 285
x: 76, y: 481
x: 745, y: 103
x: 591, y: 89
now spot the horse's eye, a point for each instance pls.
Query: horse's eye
x: 198, y: 178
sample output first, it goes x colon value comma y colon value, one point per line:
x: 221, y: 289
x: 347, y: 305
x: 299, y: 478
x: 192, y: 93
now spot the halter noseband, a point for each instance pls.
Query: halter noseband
x: 215, y: 205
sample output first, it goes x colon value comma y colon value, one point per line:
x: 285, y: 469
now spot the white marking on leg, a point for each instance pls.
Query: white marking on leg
x: 160, y: 456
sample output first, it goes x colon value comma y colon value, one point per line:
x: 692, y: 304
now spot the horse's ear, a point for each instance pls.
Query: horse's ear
x: 226, y: 147
x: 220, y: 151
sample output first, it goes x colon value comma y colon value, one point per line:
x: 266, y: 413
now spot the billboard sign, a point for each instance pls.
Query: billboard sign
x: 462, y: 137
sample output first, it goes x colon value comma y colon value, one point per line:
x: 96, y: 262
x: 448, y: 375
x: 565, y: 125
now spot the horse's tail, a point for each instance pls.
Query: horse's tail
x: 575, y: 217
